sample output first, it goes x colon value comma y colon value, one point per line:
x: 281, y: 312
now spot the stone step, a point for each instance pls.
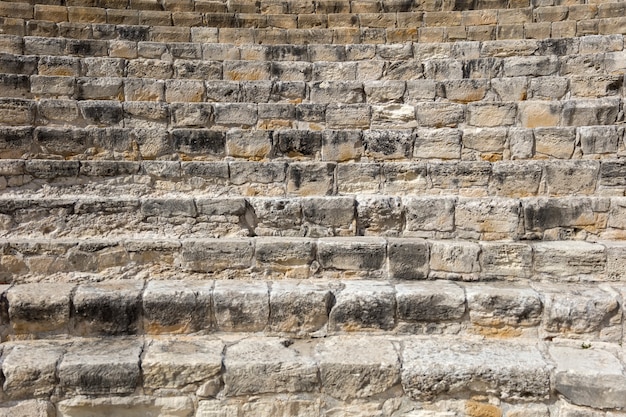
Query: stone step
x: 249, y: 28
x: 375, y: 88
x: 441, y: 217
x: 316, y: 116
x: 320, y: 377
x: 321, y: 136
x: 406, y: 258
x: 70, y: 179
x: 124, y: 52
x: 314, y: 308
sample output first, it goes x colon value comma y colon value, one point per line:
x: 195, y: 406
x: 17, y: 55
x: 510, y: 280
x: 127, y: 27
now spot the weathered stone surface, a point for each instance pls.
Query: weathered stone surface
x: 39, y: 308
x: 589, y: 377
x: 506, y: 259
x: 488, y: 218
x: 497, y: 306
x: 181, y: 364
x: 569, y: 259
x: 107, y: 308
x: 328, y: 216
x: 267, y: 365
x: 241, y: 306
x: 580, y: 311
x: 299, y: 307
x: 108, y: 367
x: 351, y: 254
x: 214, y: 255
x: 408, y: 258
x: 454, y: 256
x: 363, y: 305
x: 357, y: 367
x: 506, y: 370
x: 176, y: 306
x: 378, y: 216
x: 131, y: 406
x: 30, y: 408
x: 428, y: 214
x: 29, y: 369
x: 430, y: 301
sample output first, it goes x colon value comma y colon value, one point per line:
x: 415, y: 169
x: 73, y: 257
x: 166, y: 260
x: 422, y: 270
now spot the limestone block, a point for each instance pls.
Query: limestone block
x: 149, y: 68
x: 342, y: 145
x: 548, y: 88
x: 181, y: 364
x: 348, y: 116
x: 454, y: 256
x: 168, y: 207
x: 506, y: 259
x: 543, y: 214
x: 536, y: 66
x: 521, y: 143
x: 379, y: 216
x: 358, y: 178
x: 431, y: 368
x: 184, y: 91
x: 407, y: 177
x: 101, y: 113
x: 311, y: 112
x: 246, y: 70
x: 292, y: 71
x: 388, y: 91
x: 126, y: 406
x: 589, y: 377
x: 235, y: 114
x: 357, y: 367
x: 489, y: 218
x: 569, y: 259
x: 267, y: 365
x: 52, y: 86
x: 176, y: 306
x: 580, y: 311
x: 298, y: 143
x: 441, y: 143
x: 388, y: 144
x: 430, y: 301
x: 102, y: 67
x: 439, y: 114
x: 539, y: 113
x: 362, y: 306
x: 393, y: 116
x: 29, y: 369
x: 107, y: 308
x: 432, y: 214
x: 145, y: 114
x: 511, y: 179
x: 144, y: 90
x: 591, y: 112
x: 257, y: 172
x: 108, y: 367
x: 328, y: 216
x: 241, y: 306
x: 352, y: 254
x: 282, y: 407
x: 215, y: 255
x: 299, y: 307
x: 326, y: 92
x: 408, y: 258
x: 491, y: 115
x: 191, y: 114
x: 556, y: 143
x: 16, y: 112
x: 498, y: 306
x: 615, y: 260
x: 417, y: 90
x: 558, y: 177
x: 29, y: 408
x: 277, y: 216
x: 39, y: 308
x: 310, y: 178
x: 199, y: 142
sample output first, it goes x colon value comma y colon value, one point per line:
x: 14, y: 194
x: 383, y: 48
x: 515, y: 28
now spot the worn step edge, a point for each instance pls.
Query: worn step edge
x: 314, y: 308
x: 344, y: 368
x: 431, y: 216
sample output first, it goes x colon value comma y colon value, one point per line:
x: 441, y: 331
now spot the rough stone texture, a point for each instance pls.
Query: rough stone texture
x: 515, y: 371
x: 241, y: 306
x: 267, y: 365
x: 299, y: 307
x: 430, y: 302
x: 39, y: 308
x: 364, y: 305
x: 357, y: 367
x: 126, y: 406
x: 589, y: 377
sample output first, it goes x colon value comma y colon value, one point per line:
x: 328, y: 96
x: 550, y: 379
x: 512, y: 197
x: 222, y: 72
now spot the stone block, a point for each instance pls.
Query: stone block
x: 556, y: 143
x: 299, y: 307
x: 543, y: 214
x: 342, y: 145
x: 362, y: 306
x: 248, y: 144
x: 109, y: 367
x: 267, y: 365
x: 440, y: 114
x: 441, y: 143
x: 184, y: 91
x: 357, y: 367
x: 241, y: 306
x: 408, y: 258
x: 378, y: 216
x: 215, y: 255
x: 29, y: 369
x: 326, y: 92
x: 107, y: 308
x: 199, y: 142
x: 506, y: 259
x: 39, y: 308
x: 348, y: 116
x: 589, y: 377
x: 455, y: 256
x: 176, y: 306
x: 310, y: 178
x: 298, y: 143
x: 558, y: 177
x: 235, y: 114
x: 388, y: 144
x: 430, y: 302
x: 512, y: 179
x: 28, y: 408
x: 510, y: 370
x: 569, y: 259
x: 352, y: 254
x: 428, y: 214
x: 536, y: 66
x: 590, y: 112
x: 181, y: 364
x: 488, y: 219
x: 127, y: 406
x: 497, y: 307
x: 328, y: 216
x: 140, y: 89
x: 491, y: 115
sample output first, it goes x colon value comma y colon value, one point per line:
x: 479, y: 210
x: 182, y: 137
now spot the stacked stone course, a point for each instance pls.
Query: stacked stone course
x: 312, y: 208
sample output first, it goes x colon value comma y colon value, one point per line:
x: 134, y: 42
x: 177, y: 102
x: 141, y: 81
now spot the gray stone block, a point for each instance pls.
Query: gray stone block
x: 363, y: 305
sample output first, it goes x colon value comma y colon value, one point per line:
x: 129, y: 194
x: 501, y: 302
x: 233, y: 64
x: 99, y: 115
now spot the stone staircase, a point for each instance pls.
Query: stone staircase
x: 312, y: 208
